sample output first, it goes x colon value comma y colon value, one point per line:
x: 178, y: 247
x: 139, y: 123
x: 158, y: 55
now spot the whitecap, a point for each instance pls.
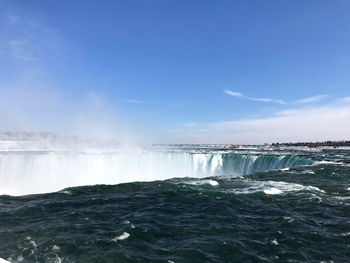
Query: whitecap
x: 55, y: 248
x: 213, y: 183
x: 66, y: 192
x: 272, y: 191
x: 4, y: 261
x: 325, y: 162
x: 58, y: 259
x: 285, y: 169
x: 274, y: 242
x: 342, y: 197
x: 202, y: 182
x: 32, y: 242
x: 272, y: 187
x: 308, y: 172
x: 123, y: 236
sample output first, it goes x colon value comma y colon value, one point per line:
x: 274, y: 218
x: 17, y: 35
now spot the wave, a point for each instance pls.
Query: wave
x: 40, y: 172
x: 272, y: 187
x: 243, y: 185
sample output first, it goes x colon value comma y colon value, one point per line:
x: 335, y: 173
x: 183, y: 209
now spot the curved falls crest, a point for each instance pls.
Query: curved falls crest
x: 39, y: 172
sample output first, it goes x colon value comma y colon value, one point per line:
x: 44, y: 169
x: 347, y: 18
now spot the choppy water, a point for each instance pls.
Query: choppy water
x: 232, y: 206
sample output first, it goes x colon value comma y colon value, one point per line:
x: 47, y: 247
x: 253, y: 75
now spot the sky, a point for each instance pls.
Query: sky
x: 166, y: 71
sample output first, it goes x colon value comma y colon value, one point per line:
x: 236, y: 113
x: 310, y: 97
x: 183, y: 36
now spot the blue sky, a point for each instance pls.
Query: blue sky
x: 177, y: 71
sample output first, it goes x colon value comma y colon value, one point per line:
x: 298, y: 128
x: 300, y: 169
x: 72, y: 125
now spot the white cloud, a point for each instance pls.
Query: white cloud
x: 304, y: 124
x: 235, y: 94
x: 240, y: 95
x: 312, y: 99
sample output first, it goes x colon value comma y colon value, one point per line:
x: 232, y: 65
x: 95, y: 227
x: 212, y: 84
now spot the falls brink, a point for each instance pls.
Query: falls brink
x: 39, y: 172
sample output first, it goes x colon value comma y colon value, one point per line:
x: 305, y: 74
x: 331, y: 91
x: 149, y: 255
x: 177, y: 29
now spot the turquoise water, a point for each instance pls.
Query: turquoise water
x: 248, y: 209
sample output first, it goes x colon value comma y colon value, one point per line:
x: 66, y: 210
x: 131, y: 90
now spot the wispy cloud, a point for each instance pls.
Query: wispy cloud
x: 28, y: 58
x: 133, y: 101
x: 12, y: 19
x: 95, y: 100
x: 312, y: 99
x: 22, y: 49
x: 18, y: 39
x: 189, y: 124
x: 26, y: 36
x: 344, y: 100
x: 242, y: 96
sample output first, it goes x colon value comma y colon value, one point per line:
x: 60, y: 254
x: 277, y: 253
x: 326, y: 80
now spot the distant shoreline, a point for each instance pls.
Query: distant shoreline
x: 315, y: 144
x: 73, y: 139
x: 277, y: 144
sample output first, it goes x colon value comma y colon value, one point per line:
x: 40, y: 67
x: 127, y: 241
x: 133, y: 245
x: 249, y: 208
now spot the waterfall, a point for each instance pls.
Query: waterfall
x: 39, y: 172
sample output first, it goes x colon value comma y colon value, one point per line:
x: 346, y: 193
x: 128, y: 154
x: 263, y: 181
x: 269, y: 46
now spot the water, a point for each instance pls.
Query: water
x: 191, y: 204
x: 42, y: 171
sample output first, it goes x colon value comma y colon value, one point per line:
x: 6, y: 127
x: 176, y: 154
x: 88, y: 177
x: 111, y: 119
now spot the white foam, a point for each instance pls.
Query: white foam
x: 58, y: 259
x: 285, y: 169
x: 65, y: 192
x: 274, y: 242
x: 308, y: 172
x: 289, y: 219
x: 271, y: 187
x: 342, y: 197
x: 202, y: 182
x: 273, y: 191
x: 326, y: 162
x: 55, y: 248
x: 213, y: 183
x: 32, y: 242
x: 123, y: 236
x: 4, y: 261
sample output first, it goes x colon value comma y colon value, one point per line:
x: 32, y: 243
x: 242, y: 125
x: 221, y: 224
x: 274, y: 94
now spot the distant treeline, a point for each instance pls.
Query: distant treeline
x: 315, y: 144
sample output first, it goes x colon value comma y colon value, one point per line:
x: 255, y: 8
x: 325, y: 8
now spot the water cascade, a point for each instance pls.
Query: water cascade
x: 38, y: 172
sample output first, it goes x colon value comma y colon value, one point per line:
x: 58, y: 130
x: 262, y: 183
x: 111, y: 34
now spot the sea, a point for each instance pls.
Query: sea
x: 175, y: 203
